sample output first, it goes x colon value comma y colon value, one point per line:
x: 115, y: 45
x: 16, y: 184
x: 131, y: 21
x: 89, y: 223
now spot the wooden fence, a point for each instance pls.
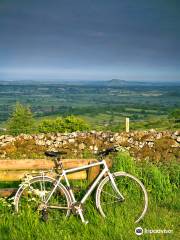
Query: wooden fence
x: 15, y: 170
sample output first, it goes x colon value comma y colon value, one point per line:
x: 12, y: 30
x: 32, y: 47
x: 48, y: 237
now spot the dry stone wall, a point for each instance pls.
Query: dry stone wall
x: 149, y: 145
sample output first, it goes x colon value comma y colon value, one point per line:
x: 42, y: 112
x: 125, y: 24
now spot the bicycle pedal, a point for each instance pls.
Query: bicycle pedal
x: 121, y: 199
x: 44, y: 216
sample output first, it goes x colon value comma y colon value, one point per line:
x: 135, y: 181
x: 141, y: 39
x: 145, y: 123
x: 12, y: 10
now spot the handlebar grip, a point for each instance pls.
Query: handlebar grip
x: 107, y: 151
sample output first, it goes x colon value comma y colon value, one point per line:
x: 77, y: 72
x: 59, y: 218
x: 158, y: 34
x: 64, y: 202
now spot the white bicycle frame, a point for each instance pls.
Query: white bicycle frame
x: 92, y: 187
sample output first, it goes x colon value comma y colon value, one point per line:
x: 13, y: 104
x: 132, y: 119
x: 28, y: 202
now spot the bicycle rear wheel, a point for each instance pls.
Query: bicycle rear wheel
x: 31, y: 197
x: 135, y: 203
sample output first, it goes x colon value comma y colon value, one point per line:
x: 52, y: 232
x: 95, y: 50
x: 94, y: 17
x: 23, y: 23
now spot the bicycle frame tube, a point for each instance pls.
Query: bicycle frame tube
x: 57, y: 183
x: 92, y: 187
x: 68, y: 184
x: 103, y: 162
x: 95, y: 183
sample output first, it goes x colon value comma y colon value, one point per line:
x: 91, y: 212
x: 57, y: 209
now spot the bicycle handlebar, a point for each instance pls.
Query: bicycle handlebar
x: 107, y: 151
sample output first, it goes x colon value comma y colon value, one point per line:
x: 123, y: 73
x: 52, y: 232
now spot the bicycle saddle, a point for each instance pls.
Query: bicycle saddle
x: 54, y: 154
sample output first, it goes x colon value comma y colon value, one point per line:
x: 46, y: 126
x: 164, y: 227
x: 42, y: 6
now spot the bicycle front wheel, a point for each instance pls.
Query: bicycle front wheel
x: 32, y: 196
x: 133, y: 203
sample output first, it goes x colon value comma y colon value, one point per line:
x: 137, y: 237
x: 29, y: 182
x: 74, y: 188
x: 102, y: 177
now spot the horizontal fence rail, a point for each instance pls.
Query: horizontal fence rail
x: 15, y: 170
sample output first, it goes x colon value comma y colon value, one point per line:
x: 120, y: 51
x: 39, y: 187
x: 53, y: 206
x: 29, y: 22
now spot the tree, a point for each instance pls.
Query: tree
x: 67, y: 124
x: 21, y: 120
x: 51, y: 125
x: 72, y: 124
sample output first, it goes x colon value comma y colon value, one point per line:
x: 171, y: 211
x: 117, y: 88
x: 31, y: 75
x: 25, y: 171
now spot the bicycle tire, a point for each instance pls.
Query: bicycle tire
x: 105, y: 185
x: 31, y: 195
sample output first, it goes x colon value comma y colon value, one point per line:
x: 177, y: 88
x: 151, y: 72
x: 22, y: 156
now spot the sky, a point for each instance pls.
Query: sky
x: 90, y: 40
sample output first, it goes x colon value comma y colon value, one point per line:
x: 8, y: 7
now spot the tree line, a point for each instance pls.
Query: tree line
x: 22, y: 121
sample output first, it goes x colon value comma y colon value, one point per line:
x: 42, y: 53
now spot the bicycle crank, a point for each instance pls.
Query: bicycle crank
x: 44, y: 215
x: 77, y: 208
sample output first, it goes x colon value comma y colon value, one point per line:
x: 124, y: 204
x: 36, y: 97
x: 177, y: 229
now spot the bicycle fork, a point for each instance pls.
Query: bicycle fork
x: 115, y: 186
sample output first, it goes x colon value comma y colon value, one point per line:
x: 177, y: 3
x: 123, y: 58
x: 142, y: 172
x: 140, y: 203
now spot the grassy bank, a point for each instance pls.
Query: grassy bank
x: 162, y: 184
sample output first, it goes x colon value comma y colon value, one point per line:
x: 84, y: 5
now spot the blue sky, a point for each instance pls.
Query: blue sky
x: 90, y: 39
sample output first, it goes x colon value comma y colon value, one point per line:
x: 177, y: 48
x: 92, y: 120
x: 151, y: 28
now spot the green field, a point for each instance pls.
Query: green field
x: 103, y: 104
x: 162, y: 184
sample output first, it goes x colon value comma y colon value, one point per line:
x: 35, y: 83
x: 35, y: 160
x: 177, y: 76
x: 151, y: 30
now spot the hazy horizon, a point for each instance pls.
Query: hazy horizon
x: 87, y: 80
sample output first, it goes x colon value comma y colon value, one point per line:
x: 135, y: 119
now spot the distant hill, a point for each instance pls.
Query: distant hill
x: 104, y: 83
x: 116, y: 82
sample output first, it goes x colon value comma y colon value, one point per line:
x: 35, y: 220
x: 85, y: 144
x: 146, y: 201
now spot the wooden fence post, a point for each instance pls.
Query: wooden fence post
x: 127, y: 125
x: 93, y: 173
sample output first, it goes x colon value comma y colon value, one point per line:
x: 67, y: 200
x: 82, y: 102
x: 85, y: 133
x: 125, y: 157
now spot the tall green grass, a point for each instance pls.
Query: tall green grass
x: 162, y: 184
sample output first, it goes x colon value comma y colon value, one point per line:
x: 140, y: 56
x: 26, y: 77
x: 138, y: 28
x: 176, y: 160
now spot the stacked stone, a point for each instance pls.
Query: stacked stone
x: 136, y: 141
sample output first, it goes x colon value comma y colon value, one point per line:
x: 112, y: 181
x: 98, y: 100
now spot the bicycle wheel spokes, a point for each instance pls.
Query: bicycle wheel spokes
x: 134, y: 204
x: 57, y: 205
x: 32, y: 197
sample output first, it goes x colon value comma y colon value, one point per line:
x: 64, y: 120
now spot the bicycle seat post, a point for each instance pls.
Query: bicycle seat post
x: 58, y: 162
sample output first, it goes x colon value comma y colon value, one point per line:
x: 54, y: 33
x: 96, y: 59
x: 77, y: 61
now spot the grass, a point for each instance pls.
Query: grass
x: 162, y: 184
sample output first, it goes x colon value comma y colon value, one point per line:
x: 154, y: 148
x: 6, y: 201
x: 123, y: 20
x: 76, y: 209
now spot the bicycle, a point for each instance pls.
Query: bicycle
x: 45, y: 194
